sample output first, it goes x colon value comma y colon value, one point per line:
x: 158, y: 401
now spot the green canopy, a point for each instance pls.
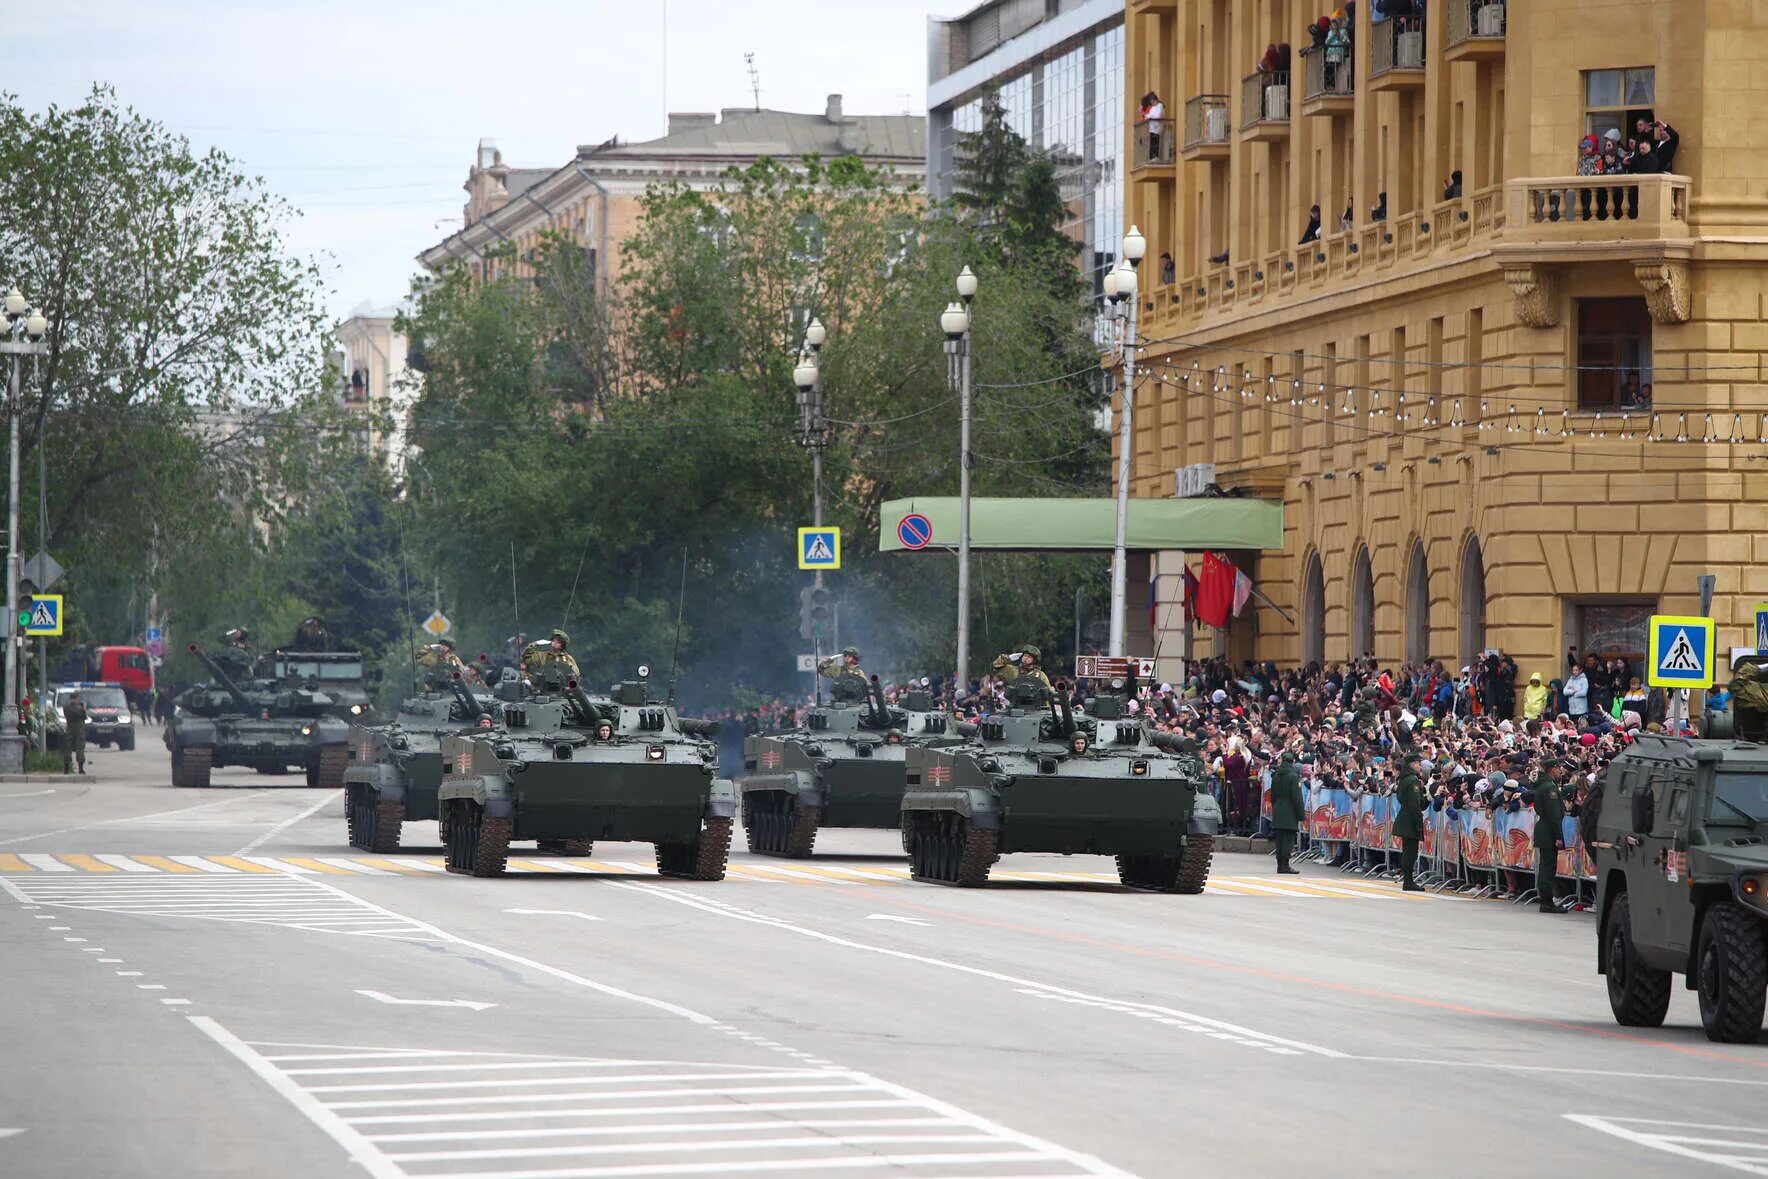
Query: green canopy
x: 1088, y: 524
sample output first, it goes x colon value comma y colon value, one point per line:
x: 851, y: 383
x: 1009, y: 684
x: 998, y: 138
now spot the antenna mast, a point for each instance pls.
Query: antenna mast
x: 754, y: 78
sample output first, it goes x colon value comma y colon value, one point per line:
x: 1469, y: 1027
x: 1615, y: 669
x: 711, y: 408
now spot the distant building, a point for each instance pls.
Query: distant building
x: 1059, y: 67
x: 373, y: 364
x: 594, y: 198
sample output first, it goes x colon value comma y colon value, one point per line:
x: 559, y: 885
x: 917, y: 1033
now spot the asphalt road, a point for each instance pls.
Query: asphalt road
x: 208, y: 983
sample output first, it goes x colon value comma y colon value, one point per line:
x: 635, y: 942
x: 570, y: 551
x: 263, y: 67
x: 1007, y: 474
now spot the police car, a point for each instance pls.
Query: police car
x: 107, y: 712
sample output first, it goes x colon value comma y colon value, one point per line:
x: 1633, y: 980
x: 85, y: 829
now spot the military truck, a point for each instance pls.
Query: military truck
x: 395, y: 769
x: 262, y: 725
x: 844, y: 768
x: 1039, y: 778
x: 566, y: 770
x: 1682, y: 879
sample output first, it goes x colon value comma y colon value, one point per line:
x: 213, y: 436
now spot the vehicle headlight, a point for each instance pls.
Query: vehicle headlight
x: 306, y: 730
x: 1753, y: 890
x: 356, y: 710
x: 124, y: 718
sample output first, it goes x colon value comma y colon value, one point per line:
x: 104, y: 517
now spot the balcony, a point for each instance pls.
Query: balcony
x: 1476, y: 30
x: 1264, y: 107
x: 1154, y: 146
x: 1331, y: 86
x: 1594, y: 209
x: 1396, y: 54
x: 1206, y: 128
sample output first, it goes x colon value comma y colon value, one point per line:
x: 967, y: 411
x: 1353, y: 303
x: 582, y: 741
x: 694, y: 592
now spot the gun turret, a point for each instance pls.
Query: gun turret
x: 239, y: 698
x: 695, y: 726
x: 580, y: 699
x: 469, y: 704
x: 1172, y: 742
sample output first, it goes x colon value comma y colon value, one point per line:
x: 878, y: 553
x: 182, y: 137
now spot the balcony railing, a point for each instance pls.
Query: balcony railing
x: 1397, y: 44
x: 1475, y: 20
x: 1264, y: 98
x: 1206, y: 120
x: 1329, y: 79
x: 1598, y: 208
x: 1154, y: 143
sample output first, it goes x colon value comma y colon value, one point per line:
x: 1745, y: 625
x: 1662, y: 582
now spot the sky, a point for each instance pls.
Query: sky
x: 365, y: 114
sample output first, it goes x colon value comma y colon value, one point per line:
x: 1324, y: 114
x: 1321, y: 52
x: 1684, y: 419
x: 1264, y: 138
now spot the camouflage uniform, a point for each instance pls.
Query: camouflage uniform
x: 311, y: 635
x: 1007, y: 671
x: 847, y: 685
x: 540, y: 655
x: 440, y: 664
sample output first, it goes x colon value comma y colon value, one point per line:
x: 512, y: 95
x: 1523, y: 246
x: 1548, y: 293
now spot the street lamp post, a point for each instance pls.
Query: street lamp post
x: 1134, y: 246
x: 955, y: 321
x: 31, y: 327
x: 813, y: 433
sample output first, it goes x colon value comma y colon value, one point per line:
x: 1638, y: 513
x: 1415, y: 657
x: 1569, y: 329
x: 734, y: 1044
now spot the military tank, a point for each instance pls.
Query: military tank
x: 314, y: 661
x: 262, y: 725
x: 566, y: 770
x: 395, y: 769
x: 1038, y: 778
x: 844, y: 768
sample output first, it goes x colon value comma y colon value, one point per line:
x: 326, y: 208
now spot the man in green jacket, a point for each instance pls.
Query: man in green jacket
x: 1549, y: 832
x: 1287, y: 807
x: 74, y: 743
x: 1409, y: 822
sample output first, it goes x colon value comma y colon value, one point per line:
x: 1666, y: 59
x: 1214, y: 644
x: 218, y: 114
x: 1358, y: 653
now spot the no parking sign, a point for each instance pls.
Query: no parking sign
x: 915, y: 531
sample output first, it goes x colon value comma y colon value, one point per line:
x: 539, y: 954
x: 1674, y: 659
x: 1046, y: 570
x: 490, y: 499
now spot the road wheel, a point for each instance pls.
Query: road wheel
x: 565, y: 847
x: 1194, y: 862
x: 197, y: 760
x: 1638, y: 994
x: 477, y: 845
x: 328, y: 769
x: 374, y: 824
x: 1732, y: 974
x: 760, y: 825
x: 703, y: 859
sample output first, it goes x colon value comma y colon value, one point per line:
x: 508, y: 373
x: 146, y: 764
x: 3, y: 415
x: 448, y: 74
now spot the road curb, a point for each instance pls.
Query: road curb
x: 1245, y: 844
x: 5, y: 778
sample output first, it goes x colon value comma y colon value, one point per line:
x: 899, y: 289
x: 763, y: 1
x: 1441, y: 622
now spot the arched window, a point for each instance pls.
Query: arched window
x: 1473, y: 601
x: 1362, y: 605
x: 1417, y: 606
x: 1313, y: 612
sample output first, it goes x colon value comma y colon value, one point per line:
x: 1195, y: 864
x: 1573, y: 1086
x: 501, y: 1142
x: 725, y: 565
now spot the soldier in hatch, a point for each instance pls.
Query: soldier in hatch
x: 554, y: 653
x: 311, y: 635
x: 236, y: 656
x: 1024, y: 664
x: 847, y: 679
x: 440, y: 664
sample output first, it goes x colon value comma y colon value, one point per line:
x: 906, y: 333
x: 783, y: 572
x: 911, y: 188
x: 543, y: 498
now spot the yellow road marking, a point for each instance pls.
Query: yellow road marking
x: 87, y: 863
x: 11, y: 863
x: 240, y: 865
x: 391, y: 866
x: 533, y: 866
x: 333, y: 869
x: 164, y: 864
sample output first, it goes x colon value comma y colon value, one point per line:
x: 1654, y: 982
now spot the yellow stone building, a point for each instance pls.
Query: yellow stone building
x: 1407, y: 385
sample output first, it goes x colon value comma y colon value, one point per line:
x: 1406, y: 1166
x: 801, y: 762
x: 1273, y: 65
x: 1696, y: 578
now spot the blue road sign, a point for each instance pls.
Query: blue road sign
x: 914, y: 531
x: 154, y: 635
x: 1761, y: 626
x: 819, y: 548
x: 1680, y: 652
x: 40, y: 614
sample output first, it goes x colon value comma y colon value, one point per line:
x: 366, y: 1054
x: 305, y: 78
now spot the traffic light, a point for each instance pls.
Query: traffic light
x: 816, y: 612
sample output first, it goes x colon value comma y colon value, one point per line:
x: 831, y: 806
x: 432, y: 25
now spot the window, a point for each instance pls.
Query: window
x: 1618, y: 99
x: 1615, y: 629
x: 1614, y: 354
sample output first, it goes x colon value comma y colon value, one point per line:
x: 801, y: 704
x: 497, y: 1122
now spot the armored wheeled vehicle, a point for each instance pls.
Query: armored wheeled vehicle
x: 261, y: 724
x: 566, y: 770
x: 1682, y: 876
x: 844, y: 768
x: 1039, y: 778
x: 396, y: 769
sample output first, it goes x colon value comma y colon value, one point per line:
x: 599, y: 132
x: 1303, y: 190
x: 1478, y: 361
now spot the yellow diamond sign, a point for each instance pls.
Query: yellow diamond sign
x: 437, y: 624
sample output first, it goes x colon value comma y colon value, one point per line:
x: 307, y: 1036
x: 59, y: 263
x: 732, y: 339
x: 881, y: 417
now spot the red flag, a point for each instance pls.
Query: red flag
x: 1188, y: 587
x: 1215, y: 591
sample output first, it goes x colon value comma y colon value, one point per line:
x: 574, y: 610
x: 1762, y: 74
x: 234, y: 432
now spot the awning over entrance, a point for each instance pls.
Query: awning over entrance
x: 1079, y: 525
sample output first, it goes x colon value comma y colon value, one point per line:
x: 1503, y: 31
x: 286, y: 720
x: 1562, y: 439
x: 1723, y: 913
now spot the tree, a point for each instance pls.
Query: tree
x: 1011, y: 195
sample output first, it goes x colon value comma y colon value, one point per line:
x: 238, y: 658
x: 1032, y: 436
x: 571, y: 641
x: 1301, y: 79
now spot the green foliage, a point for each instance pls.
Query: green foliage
x: 44, y: 762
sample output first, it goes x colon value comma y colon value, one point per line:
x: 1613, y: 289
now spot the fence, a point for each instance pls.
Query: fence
x: 1264, y: 98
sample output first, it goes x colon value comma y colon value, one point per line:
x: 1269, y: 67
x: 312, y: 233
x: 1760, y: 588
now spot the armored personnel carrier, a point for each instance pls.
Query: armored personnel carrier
x: 1038, y: 778
x: 844, y: 768
x: 566, y: 770
x: 396, y: 769
x: 262, y: 724
x: 1681, y: 862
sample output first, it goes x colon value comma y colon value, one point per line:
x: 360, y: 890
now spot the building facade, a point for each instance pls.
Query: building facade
x: 1059, y: 68
x: 1505, y: 405
x: 595, y: 198
x: 378, y: 385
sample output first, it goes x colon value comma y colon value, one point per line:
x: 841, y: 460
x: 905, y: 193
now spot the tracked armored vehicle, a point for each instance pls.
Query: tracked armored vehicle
x: 566, y: 770
x: 396, y: 769
x: 1038, y: 778
x: 844, y: 768
x: 260, y: 724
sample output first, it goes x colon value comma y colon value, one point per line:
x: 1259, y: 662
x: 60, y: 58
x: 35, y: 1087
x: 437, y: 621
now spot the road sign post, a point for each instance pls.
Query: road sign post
x: 1680, y: 652
x: 819, y: 548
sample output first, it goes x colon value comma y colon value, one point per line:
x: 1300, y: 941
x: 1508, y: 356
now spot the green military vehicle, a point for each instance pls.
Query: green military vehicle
x: 395, y: 769
x: 1682, y: 877
x: 566, y: 770
x: 1038, y: 778
x: 261, y: 724
x: 844, y: 768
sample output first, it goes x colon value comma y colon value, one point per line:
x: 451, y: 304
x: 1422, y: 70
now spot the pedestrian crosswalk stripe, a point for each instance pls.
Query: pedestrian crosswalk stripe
x: 12, y: 863
x: 239, y: 865
x: 88, y: 864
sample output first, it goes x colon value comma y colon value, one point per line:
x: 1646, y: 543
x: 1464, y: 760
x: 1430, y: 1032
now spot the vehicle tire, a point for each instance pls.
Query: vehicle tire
x: 1731, y: 966
x: 566, y: 847
x: 1194, y: 862
x: 1639, y: 995
x: 477, y: 845
x: 328, y: 769
x: 1150, y: 872
x: 703, y: 859
x: 127, y: 744
x: 197, y: 760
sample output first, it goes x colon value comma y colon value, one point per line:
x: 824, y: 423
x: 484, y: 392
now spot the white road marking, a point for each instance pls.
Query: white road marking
x: 1640, y: 1131
x: 124, y: 819
x: 894, y: 917
x: 554, y: 913
x: 469, y: 1004
x: 30, y: 793
x: 254, y: 845
x: 731, y: 912
x: 9, y: 1131
x: 126, y: 863
x: 43, y: 863
x: 1547, y: 1068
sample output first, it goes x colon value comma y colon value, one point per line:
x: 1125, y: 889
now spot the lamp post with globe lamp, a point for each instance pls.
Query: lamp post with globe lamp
x: 955, y: 322
x: 21, y: 334
x: 1134, y: 247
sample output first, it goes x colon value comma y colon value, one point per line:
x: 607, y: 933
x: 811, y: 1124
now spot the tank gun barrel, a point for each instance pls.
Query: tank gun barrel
x: 1171, y: 742
x: 1064, y: 718
x: 580, y: 699
x: 695, y: 726
x: 221, y: 677
x: 469, y: 704
x: 880, y: 715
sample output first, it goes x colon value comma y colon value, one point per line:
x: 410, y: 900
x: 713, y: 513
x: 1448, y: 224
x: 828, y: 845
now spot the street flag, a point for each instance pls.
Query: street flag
x: 1215, y: 591
x: 1188, y: 593
x: 1242, y: 590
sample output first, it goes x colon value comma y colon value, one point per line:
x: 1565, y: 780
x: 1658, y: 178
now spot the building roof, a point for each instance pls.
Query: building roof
x: 1043, y: 525
x: 742, y: 132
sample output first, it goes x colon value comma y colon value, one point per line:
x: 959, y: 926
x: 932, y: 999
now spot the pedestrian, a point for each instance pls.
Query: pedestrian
x: 1549, y: 832
x: 1287, y: 806
x: 74, y: 743
x: 1409, y: 822
x: 1237, y: 772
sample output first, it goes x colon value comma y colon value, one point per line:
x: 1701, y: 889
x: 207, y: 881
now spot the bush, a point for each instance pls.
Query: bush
x: 43, y: 763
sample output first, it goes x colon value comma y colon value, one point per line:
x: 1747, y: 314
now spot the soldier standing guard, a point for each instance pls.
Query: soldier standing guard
x: 1549, y: 832
x: 1409, y: 823
x: 1287, y: 806
x: 74, y: 739
x: 847, y: 679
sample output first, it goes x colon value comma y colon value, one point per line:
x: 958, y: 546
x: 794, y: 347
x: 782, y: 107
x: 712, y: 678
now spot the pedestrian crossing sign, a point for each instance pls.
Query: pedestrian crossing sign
x: 1680, y: 652
x: 40, y: 614
x: 819, y: 548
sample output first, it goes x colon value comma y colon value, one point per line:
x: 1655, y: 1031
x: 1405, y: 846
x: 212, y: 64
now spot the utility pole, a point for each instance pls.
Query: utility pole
x: 42, y: 547
x: 1134, y: 245
x: 33, y: 327
x: 956, y: 322
x: 813, y: 432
